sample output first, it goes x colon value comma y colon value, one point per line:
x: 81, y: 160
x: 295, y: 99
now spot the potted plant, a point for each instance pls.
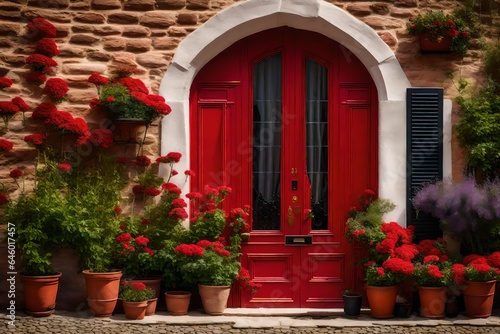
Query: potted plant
x: 479, y: 275
x: 37, y: 219
x: 127, y: 103
x: 389, y: 250
x: 466, y: 211
x: 135, y: 298
x: 432, y: 277
x: 439, y: 32
x: 352, y: 302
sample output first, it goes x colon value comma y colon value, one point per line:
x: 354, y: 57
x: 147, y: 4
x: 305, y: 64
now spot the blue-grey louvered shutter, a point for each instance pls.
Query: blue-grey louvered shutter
x: 424, y: 111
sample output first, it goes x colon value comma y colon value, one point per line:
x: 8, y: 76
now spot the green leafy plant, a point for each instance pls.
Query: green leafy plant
x: 135, y: 292
x: 478, y: 130
x: 436, y: 25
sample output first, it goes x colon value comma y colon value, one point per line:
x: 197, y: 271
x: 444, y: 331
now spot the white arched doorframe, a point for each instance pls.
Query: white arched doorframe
x: 252, y: 16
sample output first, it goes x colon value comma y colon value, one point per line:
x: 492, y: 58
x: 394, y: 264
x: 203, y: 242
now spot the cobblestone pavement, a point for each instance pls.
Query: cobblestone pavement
x: 68, y: 322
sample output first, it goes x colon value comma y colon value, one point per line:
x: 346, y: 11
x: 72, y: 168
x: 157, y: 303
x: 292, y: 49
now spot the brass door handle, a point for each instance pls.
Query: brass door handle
x: 291, y: 216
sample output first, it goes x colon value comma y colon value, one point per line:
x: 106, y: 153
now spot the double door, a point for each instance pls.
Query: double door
x: 289, y: 121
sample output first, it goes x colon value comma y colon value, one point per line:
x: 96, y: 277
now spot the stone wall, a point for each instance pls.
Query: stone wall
x: 99, y: 35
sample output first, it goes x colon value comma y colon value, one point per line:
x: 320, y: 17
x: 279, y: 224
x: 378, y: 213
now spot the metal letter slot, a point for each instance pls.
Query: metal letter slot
x: 298, y: 240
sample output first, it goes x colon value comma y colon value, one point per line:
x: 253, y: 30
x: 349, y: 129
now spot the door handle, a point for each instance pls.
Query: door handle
x: 291, y: 216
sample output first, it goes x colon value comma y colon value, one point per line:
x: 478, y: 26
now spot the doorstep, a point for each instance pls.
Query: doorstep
x: 269, y: 318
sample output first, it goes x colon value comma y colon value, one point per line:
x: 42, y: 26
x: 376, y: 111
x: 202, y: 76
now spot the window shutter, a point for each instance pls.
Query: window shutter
x: 424, y: 115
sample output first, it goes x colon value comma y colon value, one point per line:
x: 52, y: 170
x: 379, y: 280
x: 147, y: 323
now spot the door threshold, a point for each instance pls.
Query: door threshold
x: 288, y: 312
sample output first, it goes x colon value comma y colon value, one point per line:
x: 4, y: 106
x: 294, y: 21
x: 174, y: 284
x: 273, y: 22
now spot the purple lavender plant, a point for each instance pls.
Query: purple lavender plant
x: 469, y: 210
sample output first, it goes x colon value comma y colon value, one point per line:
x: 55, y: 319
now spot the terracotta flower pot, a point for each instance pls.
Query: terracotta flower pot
x: 214, y: 298
x: 382, y: 300
x: 478, y: 297
x: 432, y: 301
x: 177, y: 302
x: 428, y: 46
x: 40, y: 294
x: 135, y: 310
x: 151, y: 308
x: 102, y: 291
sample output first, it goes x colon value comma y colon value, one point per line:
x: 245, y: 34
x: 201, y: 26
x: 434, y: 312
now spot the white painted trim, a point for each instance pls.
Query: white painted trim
x: 252, y: 16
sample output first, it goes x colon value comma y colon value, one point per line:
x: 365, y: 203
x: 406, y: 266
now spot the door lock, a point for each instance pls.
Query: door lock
x: 295, y: 185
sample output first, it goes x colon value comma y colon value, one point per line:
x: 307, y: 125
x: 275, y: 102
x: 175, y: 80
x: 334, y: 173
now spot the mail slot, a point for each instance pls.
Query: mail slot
x: 298, y: 240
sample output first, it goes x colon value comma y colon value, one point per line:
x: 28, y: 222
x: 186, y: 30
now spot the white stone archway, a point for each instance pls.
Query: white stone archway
x: 252, y: 16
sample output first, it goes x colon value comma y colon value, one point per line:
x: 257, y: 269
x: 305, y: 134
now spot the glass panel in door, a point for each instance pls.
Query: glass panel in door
x: 267, y: 144
x: 317, y: 141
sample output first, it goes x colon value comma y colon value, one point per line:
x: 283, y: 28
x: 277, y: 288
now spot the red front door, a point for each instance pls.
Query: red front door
x: 288, y: 119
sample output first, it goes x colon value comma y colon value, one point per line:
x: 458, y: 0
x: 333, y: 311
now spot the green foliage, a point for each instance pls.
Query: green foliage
x: 471, y: 19
x: 479, y: 130
x: 90, y: 223
x: 492, y: 64
x: 386, y: 278
x: 38, y: 216
x: 208, y: 226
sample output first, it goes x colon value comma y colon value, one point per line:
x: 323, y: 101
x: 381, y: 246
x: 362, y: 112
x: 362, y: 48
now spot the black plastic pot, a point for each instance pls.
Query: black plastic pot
x: 352, y: 303
x: 402, y: 310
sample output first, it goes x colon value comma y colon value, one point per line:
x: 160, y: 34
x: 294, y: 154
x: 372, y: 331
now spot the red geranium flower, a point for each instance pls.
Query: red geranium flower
x: 16, y: 173
x: 431, y: 258
x: 189, y: 172
x: 36, y: 139
x: 41, y: 63
x: 47, y: 47
x: 98, y: 79
x: 8, y: 108
x: 123, y: 237
x: 494, y: 259
x: 145, y: 221
x: 194, y: 195
x: 56, y: 89
x: 36, y: 77
x: 5, y: 145
x: 189, y: 250
x: 142, y: 160
x: 117, y: 210
x: 101, y: 137
x: 179, y: 202
x: 170, y: 187
x: 172, y: 157
x: 397, y: 265
x: 94, y: 103
x: 133, y: 85
x: 3, y: 198
x: 19, y: 102
x: 137, y: 189
x: 110, y: 99
x: 64, y: 167
x: 5, y: 82
x: 44, y: 110
x: 178, y: 213
x: 386, y: 246
x: 222, y: 252
x: 151, y: 191
x: 141, y: 241
x: 122, y: 160
x: 138, y: 286
x: 39, y: 27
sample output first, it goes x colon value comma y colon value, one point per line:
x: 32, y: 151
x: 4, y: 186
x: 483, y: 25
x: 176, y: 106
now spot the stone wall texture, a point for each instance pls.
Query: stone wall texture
x: 99, y: 35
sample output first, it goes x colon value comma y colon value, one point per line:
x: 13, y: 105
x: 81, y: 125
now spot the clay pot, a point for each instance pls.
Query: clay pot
x: 135, y: 310
x: 40, y: 294
x: 478, y: 297
x: 214, y: 298
x: 382, y: 300
x: 102, y: 291
x: 432, y: 301
x: 151, y: 308
x: 177, y: 302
